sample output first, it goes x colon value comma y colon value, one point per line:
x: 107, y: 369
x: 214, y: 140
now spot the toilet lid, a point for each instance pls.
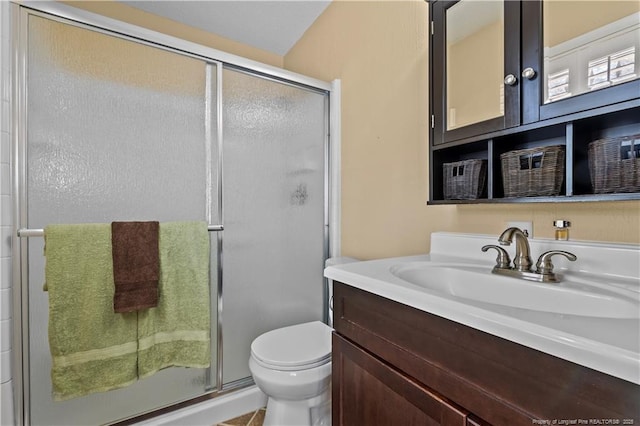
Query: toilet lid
x: 294, y: 348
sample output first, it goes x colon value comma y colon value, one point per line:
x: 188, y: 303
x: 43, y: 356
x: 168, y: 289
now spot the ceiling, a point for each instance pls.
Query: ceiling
x: 271, y: 25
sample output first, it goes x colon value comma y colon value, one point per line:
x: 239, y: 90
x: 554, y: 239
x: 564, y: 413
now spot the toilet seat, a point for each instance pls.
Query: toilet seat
x: 298, y: 347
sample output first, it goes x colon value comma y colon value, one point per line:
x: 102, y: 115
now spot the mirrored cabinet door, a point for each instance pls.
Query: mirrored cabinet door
x: 476, y: 45
x: 589, y: 46
x: 475, y: 63
x: 589, y: 54
x: 511, y: 75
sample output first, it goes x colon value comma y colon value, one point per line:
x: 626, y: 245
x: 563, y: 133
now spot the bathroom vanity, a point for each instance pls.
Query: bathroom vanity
x: 412, y: 353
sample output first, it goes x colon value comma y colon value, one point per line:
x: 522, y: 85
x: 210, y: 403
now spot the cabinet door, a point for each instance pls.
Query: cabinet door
x: 583, y: 55
x: 475, y: 68
x: 366, y: 391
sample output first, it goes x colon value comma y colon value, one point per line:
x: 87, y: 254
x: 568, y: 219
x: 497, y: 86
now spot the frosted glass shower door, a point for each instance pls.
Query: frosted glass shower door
x: 274, y: 211
x: 116, y: 130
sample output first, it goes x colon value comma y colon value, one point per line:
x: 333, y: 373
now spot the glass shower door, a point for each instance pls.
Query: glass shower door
x: 116, y: 130
x: 274, y: 211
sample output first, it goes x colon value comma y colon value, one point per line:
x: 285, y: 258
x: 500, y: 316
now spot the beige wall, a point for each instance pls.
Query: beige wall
x: 104, y: 58
x: 564, y: 20
x: 124, y: 13
x: 476, y: 96
x: 379, y: 51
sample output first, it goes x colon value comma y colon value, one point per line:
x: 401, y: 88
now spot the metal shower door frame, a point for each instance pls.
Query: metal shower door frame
x: 69, y: 15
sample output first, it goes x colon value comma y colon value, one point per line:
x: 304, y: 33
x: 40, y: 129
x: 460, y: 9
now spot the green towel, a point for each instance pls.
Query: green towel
x: 93, y: 349
x: 177, y: 331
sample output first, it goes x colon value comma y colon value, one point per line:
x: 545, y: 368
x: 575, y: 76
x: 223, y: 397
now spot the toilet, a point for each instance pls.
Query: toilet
x: 292, y: 366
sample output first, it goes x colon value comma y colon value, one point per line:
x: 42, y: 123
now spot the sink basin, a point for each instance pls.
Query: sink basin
x: 572, y: 296
x: 591, y: 317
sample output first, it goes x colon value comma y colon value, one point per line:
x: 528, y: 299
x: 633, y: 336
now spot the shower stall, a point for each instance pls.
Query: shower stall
x: 116, y: 123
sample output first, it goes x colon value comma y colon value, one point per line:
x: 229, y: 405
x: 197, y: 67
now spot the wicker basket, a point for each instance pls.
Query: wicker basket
x: 464, y: 180
x: 614, y: 164
x: 533, y: 172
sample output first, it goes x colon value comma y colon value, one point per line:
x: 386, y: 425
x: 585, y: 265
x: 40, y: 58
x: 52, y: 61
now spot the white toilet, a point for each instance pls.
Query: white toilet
x: 292, y: 366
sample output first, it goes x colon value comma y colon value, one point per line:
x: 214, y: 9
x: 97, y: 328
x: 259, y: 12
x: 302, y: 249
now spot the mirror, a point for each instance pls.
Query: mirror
x: 589, y: 46
x: 475, y: 62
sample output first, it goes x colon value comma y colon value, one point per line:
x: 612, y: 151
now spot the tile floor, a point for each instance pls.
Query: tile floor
x: 255, y: 418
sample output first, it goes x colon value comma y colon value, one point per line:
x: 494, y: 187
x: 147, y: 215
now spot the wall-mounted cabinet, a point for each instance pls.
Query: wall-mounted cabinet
x: 508, y: 76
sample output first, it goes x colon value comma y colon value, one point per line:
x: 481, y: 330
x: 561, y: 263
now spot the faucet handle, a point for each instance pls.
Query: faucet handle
x: 502, y: 261
x: 544, y: 265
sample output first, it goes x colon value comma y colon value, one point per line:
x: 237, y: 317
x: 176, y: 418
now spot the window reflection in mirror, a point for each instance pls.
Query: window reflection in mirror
x: 475, y: 62
x: 589, y: 45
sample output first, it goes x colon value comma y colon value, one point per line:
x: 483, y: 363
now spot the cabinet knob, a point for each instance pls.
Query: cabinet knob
x: 528, y: 73
x: 510, y: 80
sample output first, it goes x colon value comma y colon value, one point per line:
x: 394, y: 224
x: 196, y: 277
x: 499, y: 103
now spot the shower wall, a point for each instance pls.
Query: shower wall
x: 6, y: 314
x: 117, y: 129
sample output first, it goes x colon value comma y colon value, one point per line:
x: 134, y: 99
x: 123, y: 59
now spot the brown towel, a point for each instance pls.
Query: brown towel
x: 136, y: 265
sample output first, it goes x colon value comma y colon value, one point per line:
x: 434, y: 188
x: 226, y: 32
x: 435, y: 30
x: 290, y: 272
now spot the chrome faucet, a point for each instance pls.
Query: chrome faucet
x: 522, y: 260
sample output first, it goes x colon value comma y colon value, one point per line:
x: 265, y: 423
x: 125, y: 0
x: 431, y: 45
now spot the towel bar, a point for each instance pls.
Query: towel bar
x: 26, y: 232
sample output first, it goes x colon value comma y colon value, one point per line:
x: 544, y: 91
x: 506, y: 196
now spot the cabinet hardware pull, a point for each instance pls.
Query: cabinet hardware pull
x: 510, y: 80
x: 529, y: 73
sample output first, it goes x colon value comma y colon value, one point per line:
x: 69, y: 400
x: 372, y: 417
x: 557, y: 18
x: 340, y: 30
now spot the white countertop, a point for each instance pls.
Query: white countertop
x: 609, y: 345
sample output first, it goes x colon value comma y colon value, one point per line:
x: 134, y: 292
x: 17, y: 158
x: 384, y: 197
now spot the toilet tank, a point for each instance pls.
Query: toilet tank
x: 333, y: 261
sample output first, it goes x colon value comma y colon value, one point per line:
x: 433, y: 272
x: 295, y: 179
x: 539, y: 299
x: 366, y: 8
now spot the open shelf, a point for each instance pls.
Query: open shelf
x: 575, y: 133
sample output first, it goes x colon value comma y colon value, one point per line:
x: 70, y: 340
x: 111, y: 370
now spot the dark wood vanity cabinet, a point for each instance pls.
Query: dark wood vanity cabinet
x: 507, y: 76
x: 396, y: 365
x: 373, y: 393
